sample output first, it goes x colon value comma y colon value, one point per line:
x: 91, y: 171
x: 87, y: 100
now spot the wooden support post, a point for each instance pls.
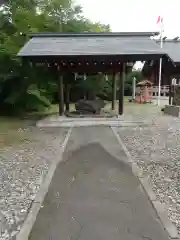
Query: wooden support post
x: 61, y: 96
x: 170, y: 95
x: 170, y: 90
x: 121, y: 89
x: 67, y: 97
x: 25, y: 68
x: 113, y: 91
x: 134, y: 89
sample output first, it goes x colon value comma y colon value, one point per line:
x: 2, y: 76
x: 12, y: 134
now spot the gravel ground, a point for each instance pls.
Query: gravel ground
x: 23, y: 167
x: 156, y: 149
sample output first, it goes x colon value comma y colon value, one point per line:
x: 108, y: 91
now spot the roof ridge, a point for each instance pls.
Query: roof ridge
x: 94, y: 34
x: 169, y: 40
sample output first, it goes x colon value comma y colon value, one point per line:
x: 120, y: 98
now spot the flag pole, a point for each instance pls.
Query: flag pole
x: 160, y: 64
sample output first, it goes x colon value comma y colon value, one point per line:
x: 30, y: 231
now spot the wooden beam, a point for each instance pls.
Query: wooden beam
x: 89, y: 67
x: 113, y: 91
x: 67, y: 88
x: 121, y: 89
x: 61, y: 95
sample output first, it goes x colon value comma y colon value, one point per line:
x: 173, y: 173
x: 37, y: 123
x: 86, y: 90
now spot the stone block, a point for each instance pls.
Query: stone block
x: 89, y: 106
x: 172, y: 110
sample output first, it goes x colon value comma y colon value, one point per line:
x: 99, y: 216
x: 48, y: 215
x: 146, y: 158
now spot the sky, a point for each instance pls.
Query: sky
x: 135, y: 15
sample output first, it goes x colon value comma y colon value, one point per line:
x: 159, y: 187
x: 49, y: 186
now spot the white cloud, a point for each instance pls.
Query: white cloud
x: 131, y: 15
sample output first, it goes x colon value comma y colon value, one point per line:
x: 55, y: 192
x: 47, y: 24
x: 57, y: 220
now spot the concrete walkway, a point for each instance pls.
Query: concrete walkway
x: 94, y: 195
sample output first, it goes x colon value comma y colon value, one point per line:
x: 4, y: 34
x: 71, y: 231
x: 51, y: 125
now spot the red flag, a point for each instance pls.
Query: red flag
x: 160, y: 19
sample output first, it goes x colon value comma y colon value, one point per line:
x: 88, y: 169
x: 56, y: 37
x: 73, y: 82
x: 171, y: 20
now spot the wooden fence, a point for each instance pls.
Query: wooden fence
x: 155, y: 90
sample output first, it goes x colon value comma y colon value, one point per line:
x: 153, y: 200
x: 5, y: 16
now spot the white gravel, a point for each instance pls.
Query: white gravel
x: 22, y: 169
x: 156, y: 149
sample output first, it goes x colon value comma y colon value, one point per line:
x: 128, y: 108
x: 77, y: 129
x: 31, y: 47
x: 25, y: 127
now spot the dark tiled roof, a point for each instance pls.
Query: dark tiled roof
x: 82, y: 44
x: 172, y: 48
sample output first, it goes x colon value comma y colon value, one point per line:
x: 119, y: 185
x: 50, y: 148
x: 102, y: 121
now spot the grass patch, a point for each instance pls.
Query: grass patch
x: 11, y: 129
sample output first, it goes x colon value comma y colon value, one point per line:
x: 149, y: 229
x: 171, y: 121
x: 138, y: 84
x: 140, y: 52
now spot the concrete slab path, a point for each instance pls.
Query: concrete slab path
x: 95, y: 196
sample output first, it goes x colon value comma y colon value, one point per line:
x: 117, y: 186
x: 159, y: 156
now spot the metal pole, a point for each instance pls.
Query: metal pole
x: 160, y: 66
x: 159, y: 86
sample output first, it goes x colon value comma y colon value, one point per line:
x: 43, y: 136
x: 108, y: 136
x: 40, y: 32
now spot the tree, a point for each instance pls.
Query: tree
x: 22, y: 89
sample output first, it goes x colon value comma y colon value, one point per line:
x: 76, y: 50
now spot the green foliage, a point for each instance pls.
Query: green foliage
x: 25, y: 88
x: 96, y: 85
